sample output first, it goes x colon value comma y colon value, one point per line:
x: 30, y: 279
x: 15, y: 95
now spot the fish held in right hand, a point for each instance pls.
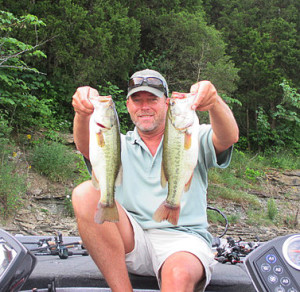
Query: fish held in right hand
x: 105, y: 156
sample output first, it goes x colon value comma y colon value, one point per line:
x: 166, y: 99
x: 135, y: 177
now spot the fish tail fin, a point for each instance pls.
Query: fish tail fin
x: 106, y: 213
x: 167, y: 212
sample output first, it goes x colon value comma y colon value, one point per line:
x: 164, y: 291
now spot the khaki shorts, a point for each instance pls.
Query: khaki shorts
x: 149, y: 253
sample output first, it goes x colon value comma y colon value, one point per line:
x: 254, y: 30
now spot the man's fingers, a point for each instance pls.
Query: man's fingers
x: 178, y: 94
x: 205, y: 95
x: 81, y: 102
x: 92, y: 92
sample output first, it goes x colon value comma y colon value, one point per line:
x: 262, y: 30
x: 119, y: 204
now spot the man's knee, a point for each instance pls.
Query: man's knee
x: 181, y: 272
x: 85, y: 199
x: 179, y: 276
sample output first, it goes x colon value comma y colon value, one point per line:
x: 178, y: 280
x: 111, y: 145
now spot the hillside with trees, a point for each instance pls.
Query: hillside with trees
x: 249, y: 49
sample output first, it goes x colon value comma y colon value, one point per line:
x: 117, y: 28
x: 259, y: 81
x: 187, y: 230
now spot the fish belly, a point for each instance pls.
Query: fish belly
x: 106, y: 162
x: 178, y: 164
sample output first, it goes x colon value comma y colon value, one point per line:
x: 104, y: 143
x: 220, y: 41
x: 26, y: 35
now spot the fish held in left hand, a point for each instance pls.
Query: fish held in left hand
x: 180, y: 154
x: 105, y: 156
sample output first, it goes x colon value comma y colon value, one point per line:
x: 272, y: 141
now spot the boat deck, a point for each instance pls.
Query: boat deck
x: 80, y: 271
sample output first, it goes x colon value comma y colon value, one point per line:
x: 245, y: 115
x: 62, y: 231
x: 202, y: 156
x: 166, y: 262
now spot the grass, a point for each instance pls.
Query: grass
x: 54, y: 160
x: 246, y: 175
x: 13, y: 188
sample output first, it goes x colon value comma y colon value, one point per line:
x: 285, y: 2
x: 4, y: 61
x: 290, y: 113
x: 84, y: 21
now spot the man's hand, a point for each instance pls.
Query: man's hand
x: 206, y: 95
x: 81, y: 103
x: 83, y: 110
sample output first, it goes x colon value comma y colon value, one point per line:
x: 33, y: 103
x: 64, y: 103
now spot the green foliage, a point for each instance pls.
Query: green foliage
x: 68, y: 205
x: 19, y: 81
x: 272, y: 209
x: 248, y: 49
x: 263, y: 40
x: 192, y: 51
x: 12, y: 184
x: 252, y: 174
x: 282, y: 159
x: 216, y: 217
x: 12, y: 189
x: 54, y: 160
x: 5, y: 131
x: 82, y: 172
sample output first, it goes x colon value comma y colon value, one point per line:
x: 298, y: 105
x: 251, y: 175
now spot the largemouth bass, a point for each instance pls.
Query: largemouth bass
x: 180, y: 154
x: 105, y: 156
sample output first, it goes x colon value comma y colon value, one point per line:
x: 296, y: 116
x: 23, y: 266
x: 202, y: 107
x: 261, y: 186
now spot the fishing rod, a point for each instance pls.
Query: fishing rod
x: 47, y: 246
x: 233, y: 251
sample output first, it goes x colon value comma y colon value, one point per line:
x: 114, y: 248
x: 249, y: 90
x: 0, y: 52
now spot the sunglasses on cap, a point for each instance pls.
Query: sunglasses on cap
x: 150, y: 81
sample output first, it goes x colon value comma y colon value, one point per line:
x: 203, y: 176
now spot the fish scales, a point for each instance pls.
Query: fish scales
x: 105, y: 156
x: 180, y: 154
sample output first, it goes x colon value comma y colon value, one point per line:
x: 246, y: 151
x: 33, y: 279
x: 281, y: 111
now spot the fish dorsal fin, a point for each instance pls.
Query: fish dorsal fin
x: 187, y: 140
x: 95, y: 182
x: 188, y: 184
x: 100, y: 139
x: 119, y: 178
x: 163, y: 179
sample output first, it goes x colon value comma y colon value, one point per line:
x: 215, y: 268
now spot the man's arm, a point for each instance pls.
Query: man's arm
x: 83, y: 110
x: 225, y: 129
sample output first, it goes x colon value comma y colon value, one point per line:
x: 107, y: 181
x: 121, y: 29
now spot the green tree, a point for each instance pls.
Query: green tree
x: 91, y: 43
x: 19, y: 80
x: 263, y: 38
x: 193, y: 51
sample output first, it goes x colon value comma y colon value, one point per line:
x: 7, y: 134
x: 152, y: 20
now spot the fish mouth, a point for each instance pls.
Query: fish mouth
x: 102, y: 126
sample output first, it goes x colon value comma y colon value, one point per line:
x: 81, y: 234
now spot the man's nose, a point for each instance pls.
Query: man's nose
x: 145, y: 104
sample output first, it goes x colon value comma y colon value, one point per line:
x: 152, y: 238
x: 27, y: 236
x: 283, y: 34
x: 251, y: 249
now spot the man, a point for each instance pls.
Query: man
x: 179, y: 256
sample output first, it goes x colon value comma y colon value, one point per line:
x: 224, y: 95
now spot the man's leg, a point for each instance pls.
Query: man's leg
x: 107, y: 243
x: 181, y: 272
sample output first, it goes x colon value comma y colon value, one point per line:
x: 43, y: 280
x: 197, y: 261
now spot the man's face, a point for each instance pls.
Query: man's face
x: 147, y: 111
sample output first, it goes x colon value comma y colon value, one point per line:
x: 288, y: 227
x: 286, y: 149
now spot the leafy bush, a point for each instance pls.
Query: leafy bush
x: 272, y: 209
x: 82, y: 172
x: 252, y: 174
x: 5, y: 131
x: 54, y: 160
x: 12, y: 188
x: 68, y: 204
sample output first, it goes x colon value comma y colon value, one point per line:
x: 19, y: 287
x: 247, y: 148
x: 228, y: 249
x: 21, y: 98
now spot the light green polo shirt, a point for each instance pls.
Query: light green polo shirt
x: 141, y: 193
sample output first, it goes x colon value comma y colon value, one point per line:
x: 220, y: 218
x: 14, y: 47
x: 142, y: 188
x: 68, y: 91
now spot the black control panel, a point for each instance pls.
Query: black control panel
x: 275, y: 265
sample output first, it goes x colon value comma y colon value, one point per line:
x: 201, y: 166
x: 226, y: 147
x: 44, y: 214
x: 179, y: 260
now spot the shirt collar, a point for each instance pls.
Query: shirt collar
x: 135, y: 138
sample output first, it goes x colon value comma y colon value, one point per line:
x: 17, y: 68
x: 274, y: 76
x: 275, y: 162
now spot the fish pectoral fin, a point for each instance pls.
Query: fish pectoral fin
x: 163, y: 179
x: 188, y: 184
x: 100, y: 139
x: 187, y: 140
x: 95, y: 182
x: 119, y: 178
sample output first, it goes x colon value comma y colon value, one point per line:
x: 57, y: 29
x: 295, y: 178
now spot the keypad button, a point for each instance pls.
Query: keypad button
x: 279, y: 289
x: 285, y: 281
x: 272, y: 279
x: 292, y: 290
x: 265, y: 267
x: 271, y: 258
x: 278, y: 269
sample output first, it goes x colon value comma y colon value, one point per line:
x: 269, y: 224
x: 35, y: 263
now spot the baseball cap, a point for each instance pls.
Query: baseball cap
x: 148, y: 80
